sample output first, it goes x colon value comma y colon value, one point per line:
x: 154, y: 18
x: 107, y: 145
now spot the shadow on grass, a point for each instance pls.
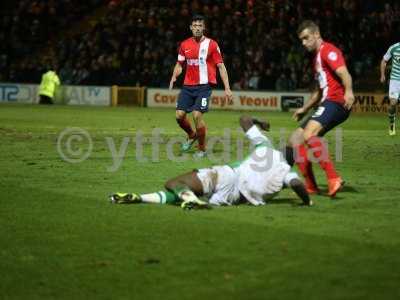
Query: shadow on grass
x: 278, y: 200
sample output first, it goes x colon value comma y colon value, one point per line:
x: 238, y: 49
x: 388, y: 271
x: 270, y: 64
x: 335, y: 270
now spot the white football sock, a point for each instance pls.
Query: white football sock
x: 158, y: 198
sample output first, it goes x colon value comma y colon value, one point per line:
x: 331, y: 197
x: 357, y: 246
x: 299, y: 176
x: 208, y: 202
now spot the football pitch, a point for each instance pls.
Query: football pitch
x: 61, y: 238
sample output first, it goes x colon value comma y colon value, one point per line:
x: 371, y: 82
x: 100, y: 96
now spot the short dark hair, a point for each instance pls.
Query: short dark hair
x: 308, y: 24
x: 197, y: 17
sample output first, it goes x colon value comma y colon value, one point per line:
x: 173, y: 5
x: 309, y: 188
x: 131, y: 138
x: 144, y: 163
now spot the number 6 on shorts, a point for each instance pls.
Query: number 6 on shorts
x: 203, y: 102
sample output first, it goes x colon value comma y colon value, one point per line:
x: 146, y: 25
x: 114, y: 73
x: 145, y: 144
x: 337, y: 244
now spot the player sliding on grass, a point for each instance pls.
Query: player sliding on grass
x: 260, y: 176
x: 334, y: 99
x: 202, y: 57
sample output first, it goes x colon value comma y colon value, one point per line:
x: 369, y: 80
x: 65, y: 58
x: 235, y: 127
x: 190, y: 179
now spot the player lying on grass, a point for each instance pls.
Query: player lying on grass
x: 257, y: 178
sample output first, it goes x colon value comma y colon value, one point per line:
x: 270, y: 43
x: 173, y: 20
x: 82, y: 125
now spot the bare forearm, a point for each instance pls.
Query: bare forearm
x: 177, y: 70
x: 246, y: 122
x: 314, y: 100
x: 262, y: 124
x: 383, y: 67
x: 347, y: 82
x: 345, y: 78
x: 224, y: 76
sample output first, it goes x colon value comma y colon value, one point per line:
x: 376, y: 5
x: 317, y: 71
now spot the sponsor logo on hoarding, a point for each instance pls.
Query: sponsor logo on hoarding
x: 375, y: 103
x: 17, y: 92
x: 241, y: 100
x: 288, y: 102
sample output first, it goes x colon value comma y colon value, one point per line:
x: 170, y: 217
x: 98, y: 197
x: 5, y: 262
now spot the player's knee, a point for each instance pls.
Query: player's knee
x: 296, y: 138
x: 293, y: 140
x: 308, y: 134
x: 170, y: 184
x: 197, y: 116
x: 198, y: 119
x: 245, y: 122
x: 180, y: 114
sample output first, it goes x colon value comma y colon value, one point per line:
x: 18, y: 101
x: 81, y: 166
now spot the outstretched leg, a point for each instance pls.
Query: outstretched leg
x: 184, y: 188
x: 320, y: 152
x: 187, y: 181
x: 304, y: 165
x: 187, y: 187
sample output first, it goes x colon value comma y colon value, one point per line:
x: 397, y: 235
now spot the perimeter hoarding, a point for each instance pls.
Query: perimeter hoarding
x: 242, y: 100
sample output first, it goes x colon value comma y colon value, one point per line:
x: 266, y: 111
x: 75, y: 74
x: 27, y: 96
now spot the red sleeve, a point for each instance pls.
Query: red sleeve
x: 181, y: 54
x: 333, y: 57
x: 216, y: 53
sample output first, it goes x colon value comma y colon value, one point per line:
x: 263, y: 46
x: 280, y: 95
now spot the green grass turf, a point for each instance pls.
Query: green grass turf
x: 60, y: 238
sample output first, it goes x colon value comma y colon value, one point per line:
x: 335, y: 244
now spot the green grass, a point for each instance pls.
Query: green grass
x: 61, y: 239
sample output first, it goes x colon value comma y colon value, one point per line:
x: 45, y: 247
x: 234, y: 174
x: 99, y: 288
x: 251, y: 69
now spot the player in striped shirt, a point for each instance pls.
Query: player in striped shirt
x: 201, y: 56
x: 333, y: 99
x: 393, y: 54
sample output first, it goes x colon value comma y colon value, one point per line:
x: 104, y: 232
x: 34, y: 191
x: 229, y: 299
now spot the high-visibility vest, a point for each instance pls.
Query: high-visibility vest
x: 49, y: 83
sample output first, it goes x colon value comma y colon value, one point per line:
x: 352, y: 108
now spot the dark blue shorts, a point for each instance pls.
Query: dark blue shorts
x: 329, y: 114
x: 194, y: 97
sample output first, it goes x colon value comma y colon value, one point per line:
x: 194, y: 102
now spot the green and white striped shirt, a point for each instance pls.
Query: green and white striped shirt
x: 394, y: 53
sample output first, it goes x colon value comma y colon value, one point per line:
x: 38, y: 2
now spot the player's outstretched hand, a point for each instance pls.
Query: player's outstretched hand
x: 299, y: 113
x: 228, y: 94
x: 348, y: 99
x: 264, y: 125
x: 383, y: 79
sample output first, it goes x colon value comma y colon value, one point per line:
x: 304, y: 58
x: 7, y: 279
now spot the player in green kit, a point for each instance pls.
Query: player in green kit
x: 393, y: 53
x: 254, y: 180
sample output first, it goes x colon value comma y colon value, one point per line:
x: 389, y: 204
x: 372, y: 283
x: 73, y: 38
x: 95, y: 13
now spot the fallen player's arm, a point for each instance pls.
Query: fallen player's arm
x: 246, y: 122
x: 262, y: 124
x: 300, y: 190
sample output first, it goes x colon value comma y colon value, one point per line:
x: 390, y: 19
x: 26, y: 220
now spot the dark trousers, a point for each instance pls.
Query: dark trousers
x: 45, y: 100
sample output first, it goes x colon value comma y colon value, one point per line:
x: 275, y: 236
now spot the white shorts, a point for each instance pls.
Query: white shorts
x: 394, y: 89
x: 219, y: 185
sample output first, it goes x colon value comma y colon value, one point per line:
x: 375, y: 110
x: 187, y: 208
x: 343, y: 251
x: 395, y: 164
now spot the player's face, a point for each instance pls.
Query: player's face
x: 309, y: 39
x: 197, y: 28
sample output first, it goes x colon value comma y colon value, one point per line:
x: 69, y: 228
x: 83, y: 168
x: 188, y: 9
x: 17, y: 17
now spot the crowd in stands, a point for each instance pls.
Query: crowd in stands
x: 136, y: 42
x: 26, y: 28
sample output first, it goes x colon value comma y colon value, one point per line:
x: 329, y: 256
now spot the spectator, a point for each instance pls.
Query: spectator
x: 254, y: 80
x: 143, y: 35
x: 48, y: 86
x: 282, y: 83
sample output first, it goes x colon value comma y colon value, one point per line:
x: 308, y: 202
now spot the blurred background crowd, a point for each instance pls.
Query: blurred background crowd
x: 134, y: 43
